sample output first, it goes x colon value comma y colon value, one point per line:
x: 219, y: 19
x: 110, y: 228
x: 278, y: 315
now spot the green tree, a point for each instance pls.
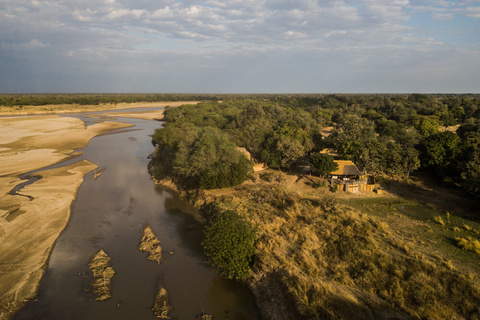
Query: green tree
x: 439, y: 151
x: 323, y: 163
x: 472, y: 178
x: 229, y: 244
x: 427, y: 126
x: 281, y: 151
x: 211, y: 161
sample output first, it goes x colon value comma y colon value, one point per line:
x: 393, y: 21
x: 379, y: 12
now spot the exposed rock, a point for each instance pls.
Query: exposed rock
x: 205, y: 316
x: 102, y: 273
x: 150, y: 243
x: 161, y: 307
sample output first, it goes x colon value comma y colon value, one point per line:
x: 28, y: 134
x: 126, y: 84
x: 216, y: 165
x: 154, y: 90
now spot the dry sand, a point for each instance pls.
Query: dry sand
x: 148, y: 115
x: 29, y: 228
x: 144, y: 115
x: 69, y: 108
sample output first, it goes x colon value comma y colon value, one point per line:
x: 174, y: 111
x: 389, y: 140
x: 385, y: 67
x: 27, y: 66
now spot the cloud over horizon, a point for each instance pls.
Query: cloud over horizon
x: 239, y: 46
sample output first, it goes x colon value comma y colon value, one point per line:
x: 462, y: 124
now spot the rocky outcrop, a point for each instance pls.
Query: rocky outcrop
x: 150, y: 243
x: 161, y: 307
x: 102, y: 275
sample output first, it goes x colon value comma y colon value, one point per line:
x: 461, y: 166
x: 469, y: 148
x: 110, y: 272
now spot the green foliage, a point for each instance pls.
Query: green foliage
x: 94, y: 99
x: 439, y: 152
x: 230, y: 244
x: 323, y: 163
x: 198, y: 157
x: 282, y: 152
x: 382, y: 134
x: 427, y: 126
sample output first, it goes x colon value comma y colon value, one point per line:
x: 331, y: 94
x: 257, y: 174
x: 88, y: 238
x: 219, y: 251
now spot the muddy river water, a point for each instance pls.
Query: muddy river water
x: 109, y: 212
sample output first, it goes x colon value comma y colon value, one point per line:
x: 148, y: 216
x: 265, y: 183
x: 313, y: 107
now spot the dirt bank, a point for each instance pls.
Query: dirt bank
x: 30, y: 224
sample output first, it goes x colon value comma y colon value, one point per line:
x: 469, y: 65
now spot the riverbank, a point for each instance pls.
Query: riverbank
x: 32, y: 220
x: 73, y: 108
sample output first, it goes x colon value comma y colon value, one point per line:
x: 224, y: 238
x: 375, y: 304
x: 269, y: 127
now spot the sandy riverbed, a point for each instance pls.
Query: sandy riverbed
x: 29, y: 228
x: 71, y: 108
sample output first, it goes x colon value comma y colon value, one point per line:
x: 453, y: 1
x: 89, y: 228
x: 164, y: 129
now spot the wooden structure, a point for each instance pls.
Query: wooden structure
x: 347, y: 171
x: 348, y: 178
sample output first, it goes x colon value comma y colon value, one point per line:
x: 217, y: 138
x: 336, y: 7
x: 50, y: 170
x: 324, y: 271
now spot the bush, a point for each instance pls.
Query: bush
x: 230, y: 244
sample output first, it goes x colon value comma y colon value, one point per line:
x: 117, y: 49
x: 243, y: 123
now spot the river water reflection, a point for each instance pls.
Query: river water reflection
x: 109, y: 213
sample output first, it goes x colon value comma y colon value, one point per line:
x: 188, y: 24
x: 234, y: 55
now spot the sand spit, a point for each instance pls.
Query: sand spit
x: 102, y: 275
x: 29, y: 230
x: 73, y: 108
x: 29, y: 143
x: 150, y: 243
x: 147, y: 115
x: 144, y: 115
x: 161, y: 308
x: 30, y: 224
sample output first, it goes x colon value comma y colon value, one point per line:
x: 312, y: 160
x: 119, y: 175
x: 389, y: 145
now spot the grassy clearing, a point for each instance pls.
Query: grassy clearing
x: 359, y: 258
x: 433, y: 231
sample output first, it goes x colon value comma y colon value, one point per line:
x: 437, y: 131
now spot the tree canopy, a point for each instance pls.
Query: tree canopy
x: 323, y: 163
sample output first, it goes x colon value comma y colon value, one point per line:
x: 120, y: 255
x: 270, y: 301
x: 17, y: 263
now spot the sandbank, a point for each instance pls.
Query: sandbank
x: 72, y: 108
x: 147, y: 115
x: 144, y: 115
x: 30, y: 224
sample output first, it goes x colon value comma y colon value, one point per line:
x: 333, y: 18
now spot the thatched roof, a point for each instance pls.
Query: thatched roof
x: 346, y: 168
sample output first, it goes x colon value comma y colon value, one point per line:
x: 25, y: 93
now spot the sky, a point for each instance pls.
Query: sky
x: 240, y: 46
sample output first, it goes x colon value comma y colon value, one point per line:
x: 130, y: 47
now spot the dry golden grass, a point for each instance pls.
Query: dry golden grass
x: 333, y: 261
x: 469, y: 244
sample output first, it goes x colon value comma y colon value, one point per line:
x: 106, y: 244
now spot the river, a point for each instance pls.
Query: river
x: 109, y: 213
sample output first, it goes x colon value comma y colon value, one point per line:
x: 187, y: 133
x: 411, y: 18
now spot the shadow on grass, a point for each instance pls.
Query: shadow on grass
x: 425, y: 190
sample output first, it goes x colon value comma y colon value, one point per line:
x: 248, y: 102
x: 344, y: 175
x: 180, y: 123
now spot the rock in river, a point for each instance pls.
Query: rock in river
x: 161, y: 307
x: 102, y: 275
x: 149, y: 243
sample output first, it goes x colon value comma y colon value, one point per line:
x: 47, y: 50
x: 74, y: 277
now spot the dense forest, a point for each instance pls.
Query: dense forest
x: 391, y: 135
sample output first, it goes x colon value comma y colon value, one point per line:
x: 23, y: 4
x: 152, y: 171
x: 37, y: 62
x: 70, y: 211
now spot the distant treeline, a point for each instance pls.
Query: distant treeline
x: 390, y: 135
x: 94, y: 99
x: 41, y: 99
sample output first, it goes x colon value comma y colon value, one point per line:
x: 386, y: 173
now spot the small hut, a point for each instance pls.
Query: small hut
x: 347, y: 171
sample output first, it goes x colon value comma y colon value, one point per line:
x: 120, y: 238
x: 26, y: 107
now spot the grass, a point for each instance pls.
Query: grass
x: 468, y: 244
x: 342, y: 258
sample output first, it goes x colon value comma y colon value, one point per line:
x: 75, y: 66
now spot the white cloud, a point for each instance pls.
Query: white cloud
x: 473, y: 12
x: 136, y: 13
x: 442, y: 15
x: 244, y: 36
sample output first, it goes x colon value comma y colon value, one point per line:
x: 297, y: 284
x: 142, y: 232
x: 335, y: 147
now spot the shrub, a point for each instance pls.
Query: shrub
x: 468, y: 244
x: 439, y: 220
x: 230, y: 244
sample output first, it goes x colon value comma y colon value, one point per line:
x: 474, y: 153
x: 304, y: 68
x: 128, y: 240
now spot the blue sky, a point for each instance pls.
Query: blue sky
x: 240, y: 46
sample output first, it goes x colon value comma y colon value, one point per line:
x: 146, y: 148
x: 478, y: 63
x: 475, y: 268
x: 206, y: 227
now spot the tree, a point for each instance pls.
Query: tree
x: 230, y: 244
x: 323, y: 163
x: 439, y: 151
x: 196, y: 157
x: 281, y: 151
x: 427, y: 126
x: 211, y: 161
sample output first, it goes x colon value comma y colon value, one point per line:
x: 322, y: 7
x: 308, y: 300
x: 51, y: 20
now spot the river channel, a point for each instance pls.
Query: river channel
x: 109, y: 213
